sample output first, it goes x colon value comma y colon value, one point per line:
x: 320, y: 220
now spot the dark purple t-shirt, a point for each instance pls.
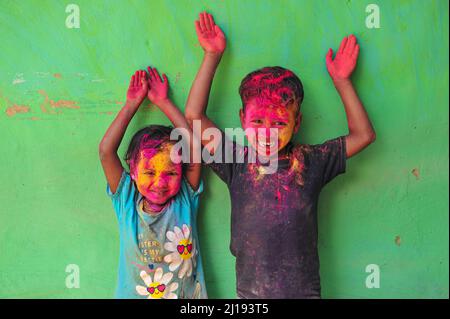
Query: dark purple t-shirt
x: 274, y: 218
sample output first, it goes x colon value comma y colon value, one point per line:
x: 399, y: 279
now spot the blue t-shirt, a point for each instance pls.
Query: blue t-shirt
x: 159, y: 255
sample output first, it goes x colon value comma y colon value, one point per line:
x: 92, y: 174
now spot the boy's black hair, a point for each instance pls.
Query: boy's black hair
x: 159, y: 135
x: 273, y: 81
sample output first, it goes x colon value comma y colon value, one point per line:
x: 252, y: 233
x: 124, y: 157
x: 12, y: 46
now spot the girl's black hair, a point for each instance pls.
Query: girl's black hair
x: 159, y: 134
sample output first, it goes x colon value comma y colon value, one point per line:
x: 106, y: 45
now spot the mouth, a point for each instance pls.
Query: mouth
x: 159, y: 193
x: 264, y: 144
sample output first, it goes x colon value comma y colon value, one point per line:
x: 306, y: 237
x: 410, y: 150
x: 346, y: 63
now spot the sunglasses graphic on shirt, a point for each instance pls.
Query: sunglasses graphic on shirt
x: 160, y: 288
x: 182, y: 248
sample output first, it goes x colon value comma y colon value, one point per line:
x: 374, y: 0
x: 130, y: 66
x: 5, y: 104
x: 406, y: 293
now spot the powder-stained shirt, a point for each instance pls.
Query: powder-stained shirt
x: 159, y: 255
x: 274, y: 218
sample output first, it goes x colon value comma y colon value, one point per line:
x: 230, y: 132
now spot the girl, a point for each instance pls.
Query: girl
x: 156, y: 202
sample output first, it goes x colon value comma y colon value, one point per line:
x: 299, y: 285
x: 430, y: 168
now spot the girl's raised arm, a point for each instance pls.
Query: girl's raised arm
x: 112, y: 167
x: 158, y: 94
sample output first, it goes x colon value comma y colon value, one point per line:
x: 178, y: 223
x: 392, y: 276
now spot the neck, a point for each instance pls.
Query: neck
x: 280, y: 155
x: 152, y: 208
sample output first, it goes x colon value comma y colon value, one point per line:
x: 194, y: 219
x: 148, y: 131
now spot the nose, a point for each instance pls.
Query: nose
x: 160, y: 182
x: 266, y: 132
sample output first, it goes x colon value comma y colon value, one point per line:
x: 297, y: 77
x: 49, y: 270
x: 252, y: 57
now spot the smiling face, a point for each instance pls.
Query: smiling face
x: 157, y: 178
x: 273, y: 125
x: 271, y: 97
x: 156, y: 290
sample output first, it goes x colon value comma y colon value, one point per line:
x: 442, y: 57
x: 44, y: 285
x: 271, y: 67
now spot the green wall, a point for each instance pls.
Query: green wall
x: 60, y: 88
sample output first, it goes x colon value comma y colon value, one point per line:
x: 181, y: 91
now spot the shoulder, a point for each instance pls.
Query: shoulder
x: 187, y: 195
x: 328, y: 146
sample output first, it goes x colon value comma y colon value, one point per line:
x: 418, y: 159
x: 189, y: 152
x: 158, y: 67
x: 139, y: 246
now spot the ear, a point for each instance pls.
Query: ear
x: 298, y: 121
x: 132, y: 173
x: 242, y: 117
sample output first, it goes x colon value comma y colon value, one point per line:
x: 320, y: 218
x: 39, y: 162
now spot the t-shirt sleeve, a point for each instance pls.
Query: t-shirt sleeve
x: 191, y: 195
x: 223, y: 163
x: 331, y: 158
x: 123, y: 198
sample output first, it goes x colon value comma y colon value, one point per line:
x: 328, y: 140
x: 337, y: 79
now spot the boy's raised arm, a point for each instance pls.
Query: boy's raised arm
x: 158, y: 95
x: 112, y: 167
x: 361, y: 132
x: 213, y: 42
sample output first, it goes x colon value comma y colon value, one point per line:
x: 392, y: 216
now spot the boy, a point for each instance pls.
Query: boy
x: 274, y: 216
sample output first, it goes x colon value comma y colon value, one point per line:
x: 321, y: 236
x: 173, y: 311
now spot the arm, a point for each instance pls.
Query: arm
x: 361, y: 132
x: 112, y: 167
x: 213, y: 42
x: 158, y: 95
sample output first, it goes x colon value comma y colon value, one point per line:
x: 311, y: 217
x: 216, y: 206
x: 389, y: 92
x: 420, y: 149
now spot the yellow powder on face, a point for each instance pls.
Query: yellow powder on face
x: 158, y: 163
x: 161, y: 161
x: 285, y: 134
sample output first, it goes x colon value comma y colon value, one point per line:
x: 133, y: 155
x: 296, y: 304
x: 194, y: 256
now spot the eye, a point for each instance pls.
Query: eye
x: 256, y: 121
x: 150, y: 173
x: 280, y: 123
x: 172, y: 174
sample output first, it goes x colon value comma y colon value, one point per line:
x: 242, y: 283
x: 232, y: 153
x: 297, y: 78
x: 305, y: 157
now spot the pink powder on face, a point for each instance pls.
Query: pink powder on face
x: 147, y: 149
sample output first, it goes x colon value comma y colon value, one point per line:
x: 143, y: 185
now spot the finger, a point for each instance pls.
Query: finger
x: 197, y: 28
x: 329, y: 57
x: 342, y: 46
x: 156, y: 74
x: 355, y: 52
x: 202, y: 23
x: 211, y: 21
x: 205, y: 21
x: 143, y: 77
x: 136, y: 78
x: 166, y: 81
x: 150, y: 74
x: 208, y: 24
x: 132, y: 80
x: 350, y: 45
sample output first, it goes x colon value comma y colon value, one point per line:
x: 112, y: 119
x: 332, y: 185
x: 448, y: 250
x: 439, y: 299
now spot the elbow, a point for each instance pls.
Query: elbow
x: 370, y: 137
x: 190, y: 121
x: 102, y: 151
x: 191, y: 117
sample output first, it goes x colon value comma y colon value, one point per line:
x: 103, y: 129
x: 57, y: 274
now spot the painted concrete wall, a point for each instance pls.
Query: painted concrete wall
x: 60, y: 88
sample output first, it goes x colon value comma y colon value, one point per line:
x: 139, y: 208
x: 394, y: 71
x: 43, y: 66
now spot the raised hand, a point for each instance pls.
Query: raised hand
x: 345, y: 60
x: 209, y: 35
x: 138, y: 87
x: 157, y: 92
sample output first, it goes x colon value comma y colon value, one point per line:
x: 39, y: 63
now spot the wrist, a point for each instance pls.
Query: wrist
x: 213, y: 55
x: 341, y: 81
x: 129, y: 103
x: 163, y: 102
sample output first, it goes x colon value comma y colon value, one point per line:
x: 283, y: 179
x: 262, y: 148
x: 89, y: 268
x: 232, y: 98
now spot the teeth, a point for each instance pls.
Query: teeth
x: 262, y: 144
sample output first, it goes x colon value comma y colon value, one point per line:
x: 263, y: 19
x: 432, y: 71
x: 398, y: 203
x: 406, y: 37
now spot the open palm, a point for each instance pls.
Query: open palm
x: 137, y: 90
x: 343, y: 64
x: 209, y: 35
x: 158, y: 89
